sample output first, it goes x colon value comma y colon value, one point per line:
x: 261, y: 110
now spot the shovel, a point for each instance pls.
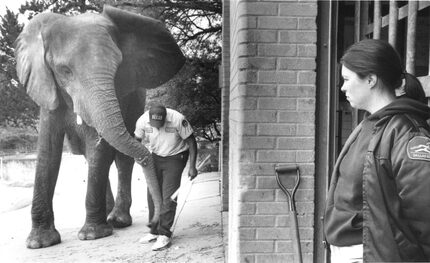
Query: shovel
x: 292, y: 206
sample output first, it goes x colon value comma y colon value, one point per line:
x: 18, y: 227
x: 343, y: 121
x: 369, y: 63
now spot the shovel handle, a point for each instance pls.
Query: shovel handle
x: 296, y: 237
x: 285, y: 169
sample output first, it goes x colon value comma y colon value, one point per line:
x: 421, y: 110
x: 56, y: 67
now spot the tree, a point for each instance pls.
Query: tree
x: 197, y: 27
x: 16, y: 108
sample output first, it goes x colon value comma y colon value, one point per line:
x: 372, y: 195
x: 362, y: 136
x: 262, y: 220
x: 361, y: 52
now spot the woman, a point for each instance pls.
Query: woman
x: 378, y: 205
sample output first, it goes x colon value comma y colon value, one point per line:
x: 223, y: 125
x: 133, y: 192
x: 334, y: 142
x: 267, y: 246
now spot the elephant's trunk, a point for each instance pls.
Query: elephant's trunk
x: 106, y: 117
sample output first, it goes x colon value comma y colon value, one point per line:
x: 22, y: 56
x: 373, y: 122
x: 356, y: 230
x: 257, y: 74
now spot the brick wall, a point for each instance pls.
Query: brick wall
x: 271, y: 121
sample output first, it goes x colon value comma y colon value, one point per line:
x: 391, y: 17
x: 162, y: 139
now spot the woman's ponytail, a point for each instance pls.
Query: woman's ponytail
x: 413, y: 88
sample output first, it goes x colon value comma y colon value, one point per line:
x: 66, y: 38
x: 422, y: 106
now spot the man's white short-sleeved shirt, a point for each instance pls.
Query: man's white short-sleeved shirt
x: 169, y: 139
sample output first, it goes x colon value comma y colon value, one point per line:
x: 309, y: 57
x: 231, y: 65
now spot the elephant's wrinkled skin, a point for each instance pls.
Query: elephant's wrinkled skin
x: 89, y: 74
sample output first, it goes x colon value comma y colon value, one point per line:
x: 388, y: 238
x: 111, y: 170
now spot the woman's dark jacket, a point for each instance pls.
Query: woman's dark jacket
x: 396, y: 184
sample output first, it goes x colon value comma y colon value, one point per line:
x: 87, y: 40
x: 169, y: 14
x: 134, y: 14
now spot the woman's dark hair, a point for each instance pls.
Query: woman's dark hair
x: 372, y: 56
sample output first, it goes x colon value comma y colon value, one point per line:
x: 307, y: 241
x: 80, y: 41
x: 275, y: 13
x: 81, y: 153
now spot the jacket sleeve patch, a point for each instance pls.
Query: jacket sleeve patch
x: 419, y: 148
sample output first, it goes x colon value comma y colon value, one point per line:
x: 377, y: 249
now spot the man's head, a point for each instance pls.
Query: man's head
x: 157, y: 116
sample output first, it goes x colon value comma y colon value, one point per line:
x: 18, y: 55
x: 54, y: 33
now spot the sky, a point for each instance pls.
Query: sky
x: 13, y: 5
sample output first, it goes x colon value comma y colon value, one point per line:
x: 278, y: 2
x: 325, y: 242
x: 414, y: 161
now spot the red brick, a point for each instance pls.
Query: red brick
x: 297, y: 91
x: 246, y: 50
x: 302, y: 220
x: 307, y: 50
x: 282, y: 77
x: 297, y: 117
x: 246, y: 22
x: 247, y: 156
x: 302, y: 195
x: 306, y: 182
x: 298, y: 9
x: 276, y: 129
x: 247, y: 76
x: 307, y: 23
x: 257, y: 8
x: 272, y: 208
x: 258, y: 196
x: 297, y: 63
x: 277, y: 104
x: 307, y: 77
x: 249, y: 129
x: 305, y: 156
x: 256, y: 221
x: 257, y: 169
x: 260, y: 116
x: 267, y: 182
x: 259, y: 142
x: 277, y: 50
x: 257, y: 36
x: 247, y: 181
x: 250, y: 103
x: 298, y: 36
x: 274, y: 258
x: 247, y: 209
x: 247, y: 233
x: 295, y: 143
x: 248, y: 258
x: 276, y: 156
x: 274, y: 22
x: 306, y: 129
x: 257, y: 246
x: 256, y: 63
x: 306, y: 233
x: 272, y: 233
x: 306, y: 104
x: 263, y: 90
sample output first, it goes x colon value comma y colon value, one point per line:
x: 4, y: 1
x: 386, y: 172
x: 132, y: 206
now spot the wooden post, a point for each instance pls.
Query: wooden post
x: 392, y: 27
x: 377, y: 20
x: 411, y: 36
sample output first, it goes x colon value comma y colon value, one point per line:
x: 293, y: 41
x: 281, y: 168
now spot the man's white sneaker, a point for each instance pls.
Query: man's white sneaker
x: 161, y: 243
x: 148, y: 238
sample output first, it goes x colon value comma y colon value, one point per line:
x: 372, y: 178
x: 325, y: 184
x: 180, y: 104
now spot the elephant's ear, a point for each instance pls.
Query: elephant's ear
x: 150, y: 54
x: 32, y: 69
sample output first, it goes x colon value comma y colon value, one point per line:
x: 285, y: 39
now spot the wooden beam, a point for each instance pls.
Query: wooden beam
x: 403, y: 12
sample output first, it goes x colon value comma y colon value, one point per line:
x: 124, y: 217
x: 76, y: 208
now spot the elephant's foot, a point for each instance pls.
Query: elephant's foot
x: 118, y: 218
x: 94, y: 231
x: 40, y: 238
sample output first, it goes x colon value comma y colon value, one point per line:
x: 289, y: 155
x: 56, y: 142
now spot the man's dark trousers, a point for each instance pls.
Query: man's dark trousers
x: 169, y: 171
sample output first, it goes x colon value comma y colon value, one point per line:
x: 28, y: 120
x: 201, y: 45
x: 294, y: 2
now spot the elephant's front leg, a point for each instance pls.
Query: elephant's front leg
x: 50, y: 146
x: 99, y: 158
x: 120, y: 215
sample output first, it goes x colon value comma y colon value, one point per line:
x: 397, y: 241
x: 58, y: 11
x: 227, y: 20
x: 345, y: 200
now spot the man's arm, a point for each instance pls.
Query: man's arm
x: 191, y: 141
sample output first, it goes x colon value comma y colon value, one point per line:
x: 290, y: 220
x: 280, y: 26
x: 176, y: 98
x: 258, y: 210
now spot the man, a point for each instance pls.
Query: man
x: 169, y: 137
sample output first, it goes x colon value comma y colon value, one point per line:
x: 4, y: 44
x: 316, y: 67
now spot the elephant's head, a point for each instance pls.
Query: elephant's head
x: 78, y: 61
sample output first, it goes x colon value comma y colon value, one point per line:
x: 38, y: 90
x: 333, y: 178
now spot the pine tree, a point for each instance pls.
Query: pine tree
x: 16, y: 107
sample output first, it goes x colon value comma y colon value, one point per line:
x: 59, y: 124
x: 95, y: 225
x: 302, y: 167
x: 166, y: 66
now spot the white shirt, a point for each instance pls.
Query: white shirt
x: 169, y: 139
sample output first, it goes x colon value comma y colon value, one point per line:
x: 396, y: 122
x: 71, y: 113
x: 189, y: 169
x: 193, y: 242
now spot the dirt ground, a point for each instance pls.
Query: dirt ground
x: 197, y: 233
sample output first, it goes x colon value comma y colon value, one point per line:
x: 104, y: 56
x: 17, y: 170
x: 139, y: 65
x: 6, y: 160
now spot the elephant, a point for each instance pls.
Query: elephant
x: 89, y: 74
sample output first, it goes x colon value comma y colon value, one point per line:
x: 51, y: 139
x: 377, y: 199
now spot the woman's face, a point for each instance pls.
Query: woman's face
x: 357, y: 90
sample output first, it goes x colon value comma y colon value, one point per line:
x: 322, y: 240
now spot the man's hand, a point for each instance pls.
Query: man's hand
x: 192, y: 173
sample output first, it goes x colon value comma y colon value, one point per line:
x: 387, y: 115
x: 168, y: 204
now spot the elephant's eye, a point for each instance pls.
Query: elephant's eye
x: 66, y: 71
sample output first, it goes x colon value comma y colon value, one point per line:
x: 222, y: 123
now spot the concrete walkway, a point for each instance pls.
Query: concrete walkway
x: 197, y: 231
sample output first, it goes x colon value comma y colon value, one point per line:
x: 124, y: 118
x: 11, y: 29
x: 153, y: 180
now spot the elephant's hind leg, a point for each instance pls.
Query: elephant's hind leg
x: 99, y: 157
x: 120, y: 215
